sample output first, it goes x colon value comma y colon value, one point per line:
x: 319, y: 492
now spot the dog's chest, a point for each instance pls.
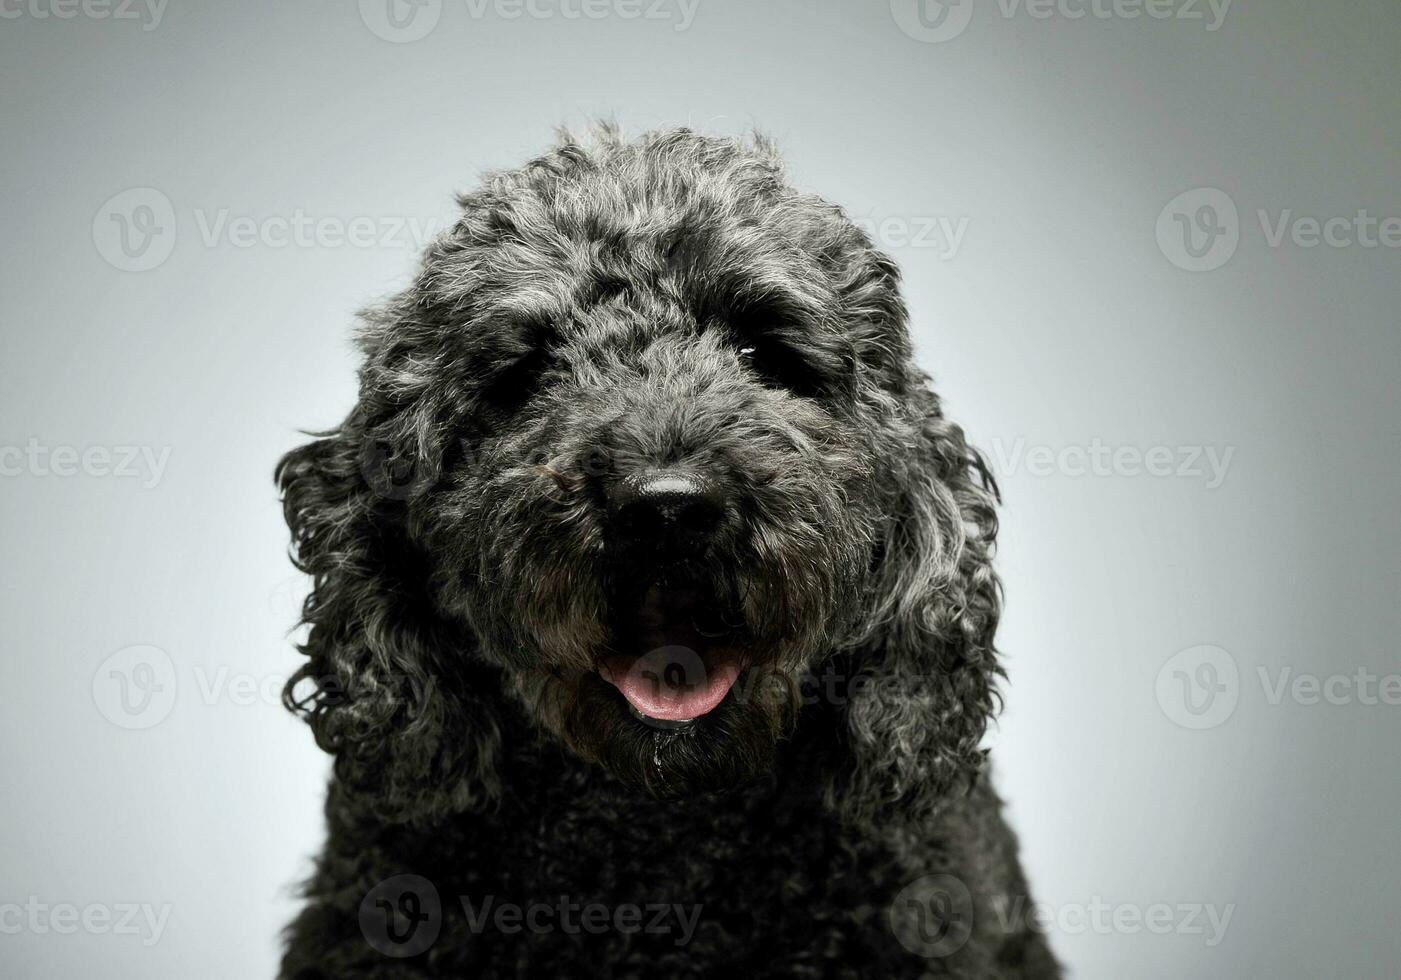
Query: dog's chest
x: 679, y: 888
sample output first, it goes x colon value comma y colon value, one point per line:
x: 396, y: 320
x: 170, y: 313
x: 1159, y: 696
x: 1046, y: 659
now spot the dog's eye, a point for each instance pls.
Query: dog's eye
x: 512, y: 385
x: 778, y: 365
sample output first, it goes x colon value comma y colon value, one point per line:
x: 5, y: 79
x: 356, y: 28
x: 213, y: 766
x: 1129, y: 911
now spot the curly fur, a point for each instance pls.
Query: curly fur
x: 607, y: 306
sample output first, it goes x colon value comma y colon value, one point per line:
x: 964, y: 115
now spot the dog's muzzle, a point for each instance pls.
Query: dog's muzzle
x: 675, y: 653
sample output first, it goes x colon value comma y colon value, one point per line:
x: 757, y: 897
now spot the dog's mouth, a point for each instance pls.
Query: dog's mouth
x: 676, y: 654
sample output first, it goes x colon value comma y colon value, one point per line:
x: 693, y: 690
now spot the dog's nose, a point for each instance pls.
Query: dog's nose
x: 668, y: 507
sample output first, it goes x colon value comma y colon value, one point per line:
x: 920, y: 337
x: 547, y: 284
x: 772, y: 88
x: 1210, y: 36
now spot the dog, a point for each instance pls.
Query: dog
x: 652, y: 612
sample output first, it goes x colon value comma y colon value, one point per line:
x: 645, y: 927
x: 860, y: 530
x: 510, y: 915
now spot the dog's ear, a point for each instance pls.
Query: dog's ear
x: 921, y: 688
x: 388, y: 687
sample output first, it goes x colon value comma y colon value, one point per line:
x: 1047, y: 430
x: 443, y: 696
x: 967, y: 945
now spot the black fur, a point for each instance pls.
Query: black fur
x: 608, y: 307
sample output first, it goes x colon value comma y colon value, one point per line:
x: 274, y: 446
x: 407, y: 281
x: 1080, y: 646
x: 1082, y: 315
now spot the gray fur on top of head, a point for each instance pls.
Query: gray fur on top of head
x: 590, y: 306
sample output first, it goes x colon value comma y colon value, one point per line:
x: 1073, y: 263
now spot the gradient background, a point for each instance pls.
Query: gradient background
x: 1058, y: 321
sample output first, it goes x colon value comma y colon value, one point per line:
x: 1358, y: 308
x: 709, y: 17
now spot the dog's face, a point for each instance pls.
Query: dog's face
x: 660, y: 453
x: 661, y: 511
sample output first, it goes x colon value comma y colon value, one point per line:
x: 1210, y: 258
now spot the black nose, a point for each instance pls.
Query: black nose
x: 668, y: 508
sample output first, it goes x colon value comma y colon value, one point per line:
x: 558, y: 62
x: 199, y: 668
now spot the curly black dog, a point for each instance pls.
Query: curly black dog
x: 652, y: 615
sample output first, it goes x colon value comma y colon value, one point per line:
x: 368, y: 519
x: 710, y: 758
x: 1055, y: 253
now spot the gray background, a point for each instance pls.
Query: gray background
x: 1059, y: 321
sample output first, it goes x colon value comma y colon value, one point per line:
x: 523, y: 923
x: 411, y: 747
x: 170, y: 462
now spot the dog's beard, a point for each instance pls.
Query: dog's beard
x: 693, y: 691
x: 721, y: 750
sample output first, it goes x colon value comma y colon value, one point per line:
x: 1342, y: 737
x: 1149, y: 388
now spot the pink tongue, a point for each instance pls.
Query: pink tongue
x: 672, y: 683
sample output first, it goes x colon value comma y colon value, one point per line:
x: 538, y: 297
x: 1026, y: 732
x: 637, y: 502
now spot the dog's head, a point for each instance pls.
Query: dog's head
x: 643, y: 449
